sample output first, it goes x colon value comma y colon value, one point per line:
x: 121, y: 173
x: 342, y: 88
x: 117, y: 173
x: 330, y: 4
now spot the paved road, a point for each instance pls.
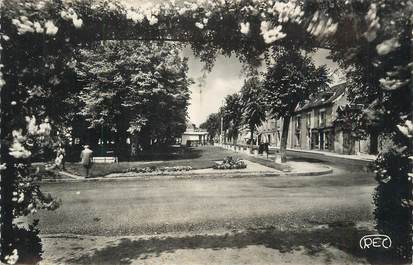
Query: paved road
x: 208, y: 205
x: 253, y: 220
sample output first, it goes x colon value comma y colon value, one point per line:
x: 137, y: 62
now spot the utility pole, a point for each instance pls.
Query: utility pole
x: 222, y: 123
x: 222, y: 126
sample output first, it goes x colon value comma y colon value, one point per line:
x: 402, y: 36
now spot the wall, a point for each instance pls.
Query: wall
x: 191, y: 137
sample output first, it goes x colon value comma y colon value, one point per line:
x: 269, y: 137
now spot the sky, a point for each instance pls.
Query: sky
x: 226, y: 78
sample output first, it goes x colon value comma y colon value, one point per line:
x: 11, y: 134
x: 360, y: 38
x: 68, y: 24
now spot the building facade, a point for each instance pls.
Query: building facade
x: 194, y: 136
x: 312, y: 127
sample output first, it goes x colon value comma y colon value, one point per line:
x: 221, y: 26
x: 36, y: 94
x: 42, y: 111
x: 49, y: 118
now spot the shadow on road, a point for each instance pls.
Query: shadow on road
x: 314, y: 242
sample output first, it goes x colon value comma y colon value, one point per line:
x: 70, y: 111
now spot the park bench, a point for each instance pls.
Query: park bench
x: 105, y: 159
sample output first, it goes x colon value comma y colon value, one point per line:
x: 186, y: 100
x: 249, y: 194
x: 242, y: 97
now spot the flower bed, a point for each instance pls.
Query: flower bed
x: 230, y: 163
x: 156, y: 169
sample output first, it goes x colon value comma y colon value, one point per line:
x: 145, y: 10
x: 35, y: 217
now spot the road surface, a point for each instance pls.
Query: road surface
x: 145, y: 207
x: 258, y: 220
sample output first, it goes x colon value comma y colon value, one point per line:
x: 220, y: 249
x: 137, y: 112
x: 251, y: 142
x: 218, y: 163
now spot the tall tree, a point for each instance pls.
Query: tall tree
x: 232, y: 113
x: 212, y: 125
x: 128, y: 86
x: 253, y: 108
x: 291, y: 80
x: 379, y: 71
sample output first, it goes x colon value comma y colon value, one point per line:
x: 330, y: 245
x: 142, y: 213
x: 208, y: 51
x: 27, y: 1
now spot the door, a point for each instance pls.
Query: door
x: 321, y: 146
x: 348, y: 144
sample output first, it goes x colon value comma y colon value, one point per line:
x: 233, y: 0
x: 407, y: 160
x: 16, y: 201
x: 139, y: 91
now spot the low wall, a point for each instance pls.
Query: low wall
x: 352, y: 164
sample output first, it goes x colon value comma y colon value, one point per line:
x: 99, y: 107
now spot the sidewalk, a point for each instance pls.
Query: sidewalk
x: 354, y: 162
x: 361, y: 157
x: 296, y: 168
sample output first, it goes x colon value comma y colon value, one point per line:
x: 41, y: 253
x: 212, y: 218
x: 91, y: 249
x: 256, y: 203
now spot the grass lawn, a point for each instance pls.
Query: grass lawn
x: 197, y: 158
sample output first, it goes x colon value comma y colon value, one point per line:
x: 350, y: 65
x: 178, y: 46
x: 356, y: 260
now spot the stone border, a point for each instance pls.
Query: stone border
x: 187, y: 175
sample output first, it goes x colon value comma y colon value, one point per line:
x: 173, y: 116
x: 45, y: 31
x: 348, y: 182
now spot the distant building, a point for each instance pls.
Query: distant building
x: 312, y: 127
x: 193, y: 136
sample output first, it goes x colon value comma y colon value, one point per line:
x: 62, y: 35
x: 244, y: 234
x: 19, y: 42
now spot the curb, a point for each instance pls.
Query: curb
x: 147, y: 177
x: 328, y: 170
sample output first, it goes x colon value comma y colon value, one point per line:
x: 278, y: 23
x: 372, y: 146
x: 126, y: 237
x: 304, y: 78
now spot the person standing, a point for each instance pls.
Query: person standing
x: 86, y: 159
x: 60, y: 157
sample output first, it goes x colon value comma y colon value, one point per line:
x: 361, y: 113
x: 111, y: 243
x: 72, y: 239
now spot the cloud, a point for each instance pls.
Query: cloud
x: 209, y: 92
x: 209, y: 99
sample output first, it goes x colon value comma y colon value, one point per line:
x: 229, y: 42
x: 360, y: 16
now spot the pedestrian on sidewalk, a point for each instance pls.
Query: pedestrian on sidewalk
x: 86, y: 159
x: 266, y: 148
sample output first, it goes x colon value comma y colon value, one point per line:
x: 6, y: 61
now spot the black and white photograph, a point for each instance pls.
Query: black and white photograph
x: 206, y: 132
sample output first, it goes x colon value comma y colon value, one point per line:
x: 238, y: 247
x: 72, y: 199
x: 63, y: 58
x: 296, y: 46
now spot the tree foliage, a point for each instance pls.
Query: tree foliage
x: 291, y: 80
x: 232, y: 115
x: 39, y: 35
x: 212, y: 125
x: 128, y: 86
x: 253, y: 107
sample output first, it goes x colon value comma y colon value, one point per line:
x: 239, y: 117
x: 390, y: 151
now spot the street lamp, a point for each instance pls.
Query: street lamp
x: 221, y: 136
x: 222, y: 125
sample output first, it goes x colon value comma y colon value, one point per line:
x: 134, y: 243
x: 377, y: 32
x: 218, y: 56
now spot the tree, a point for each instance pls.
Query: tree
x: 232, y: 114
x: 253, y: 108
x: 376, y: 52
x: 36, y: 31
x: 292, y: 79
x: 212, y: 125
x: 128, y: 86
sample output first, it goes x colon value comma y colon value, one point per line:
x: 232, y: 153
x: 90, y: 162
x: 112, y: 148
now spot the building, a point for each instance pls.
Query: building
x: 193, y: 136
x: 268, y: 132
x: 312, y: 124
x: 312, y: 127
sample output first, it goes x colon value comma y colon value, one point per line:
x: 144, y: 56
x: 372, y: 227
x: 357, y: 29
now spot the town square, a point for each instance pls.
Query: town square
x: 206, y: 132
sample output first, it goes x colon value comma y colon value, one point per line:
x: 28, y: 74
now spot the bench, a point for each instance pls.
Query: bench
x: 105, y: 159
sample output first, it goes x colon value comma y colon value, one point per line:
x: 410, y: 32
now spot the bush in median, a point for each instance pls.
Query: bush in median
x: 230, y: 163
x: 155, y: 169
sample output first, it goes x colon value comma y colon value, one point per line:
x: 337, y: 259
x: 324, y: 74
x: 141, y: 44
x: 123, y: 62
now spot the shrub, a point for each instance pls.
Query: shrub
x: 392, y: 212
x: 152, y: 169
x: 28, y: 244
x: 230, y: 163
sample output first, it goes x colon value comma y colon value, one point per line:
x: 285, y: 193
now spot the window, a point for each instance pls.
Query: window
x: 327, y: 141
x: 314, y: 140
x: 308, y: 121
x: 297, y: 139
x: 273, y: 124
x: 322, y: 117
x: 298, y: 123
x: 278, y: 138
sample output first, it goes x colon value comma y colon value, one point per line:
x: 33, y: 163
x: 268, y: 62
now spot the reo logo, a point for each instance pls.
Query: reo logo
x: 375, y: 241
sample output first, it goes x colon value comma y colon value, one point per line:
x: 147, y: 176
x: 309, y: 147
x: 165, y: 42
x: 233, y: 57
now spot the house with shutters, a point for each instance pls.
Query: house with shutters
x: 312, y: 127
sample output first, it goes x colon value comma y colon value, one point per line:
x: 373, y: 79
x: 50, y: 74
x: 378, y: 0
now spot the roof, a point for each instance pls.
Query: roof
x: 190, y: 125
x: 325, y: 98
x: 195, y: 132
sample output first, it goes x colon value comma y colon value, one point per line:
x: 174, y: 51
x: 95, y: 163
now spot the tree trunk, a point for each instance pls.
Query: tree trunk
x: 374, y: 143
x: 251, y: 138
x: 284, y: 137
x: 8, y: 176
x: 145, y: 138
x: 7, y: 184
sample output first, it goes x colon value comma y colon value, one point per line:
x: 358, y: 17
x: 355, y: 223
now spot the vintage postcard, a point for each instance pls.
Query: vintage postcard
x: 206, y: 132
